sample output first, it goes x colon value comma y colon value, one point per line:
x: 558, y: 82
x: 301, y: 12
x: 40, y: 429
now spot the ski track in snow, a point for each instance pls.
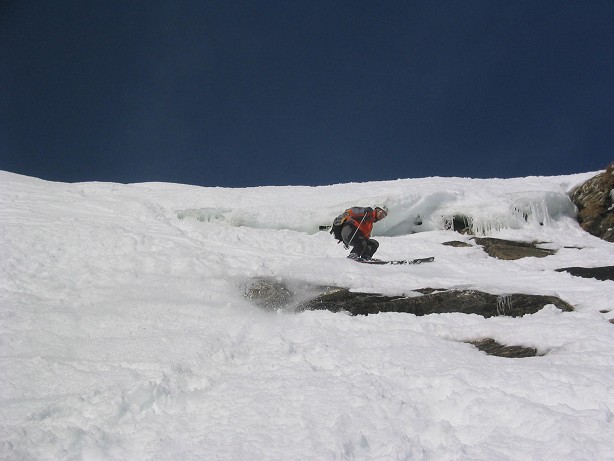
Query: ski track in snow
x: 124, y: 333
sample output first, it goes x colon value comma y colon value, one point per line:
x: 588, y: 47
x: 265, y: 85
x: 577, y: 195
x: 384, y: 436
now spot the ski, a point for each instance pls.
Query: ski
x: 396, y: 262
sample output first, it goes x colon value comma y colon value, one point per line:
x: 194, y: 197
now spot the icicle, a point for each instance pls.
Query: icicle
x: 504, y: 303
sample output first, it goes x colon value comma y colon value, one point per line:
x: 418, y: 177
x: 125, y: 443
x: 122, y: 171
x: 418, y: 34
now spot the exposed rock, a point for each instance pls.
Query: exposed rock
x: 457, y: 244
x: 434, y: 302
x: 599, y: 273
x: 491, y: 347
x: 594, y: 200
x: 509, y: 250
x: 461, y: 224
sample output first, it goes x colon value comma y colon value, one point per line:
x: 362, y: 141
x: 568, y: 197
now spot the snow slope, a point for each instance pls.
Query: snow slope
x: 125, y: 335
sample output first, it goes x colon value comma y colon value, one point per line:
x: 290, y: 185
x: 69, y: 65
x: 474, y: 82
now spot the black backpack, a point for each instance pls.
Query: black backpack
x: 338, y: 224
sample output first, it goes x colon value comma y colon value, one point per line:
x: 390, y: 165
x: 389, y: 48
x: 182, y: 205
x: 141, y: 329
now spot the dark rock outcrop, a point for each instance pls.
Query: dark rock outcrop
x: 509, y: 250
x: 491, y: 347
x: 273, y: 294
x: 461, y: 224
x: 434, y: 302
x: 594, y: 201
x: 457, y: 244
x: 599, y: 273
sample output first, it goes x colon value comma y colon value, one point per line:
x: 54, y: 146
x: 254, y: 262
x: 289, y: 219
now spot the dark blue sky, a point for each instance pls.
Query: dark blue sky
x: 242, y: 93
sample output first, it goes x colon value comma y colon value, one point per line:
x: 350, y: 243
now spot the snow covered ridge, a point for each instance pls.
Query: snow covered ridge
x: 417, y: 205
x: 417, y: 213
x: 124, y: 332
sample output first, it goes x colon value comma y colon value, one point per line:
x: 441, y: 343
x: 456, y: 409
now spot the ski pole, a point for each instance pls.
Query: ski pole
x: 363, y: 218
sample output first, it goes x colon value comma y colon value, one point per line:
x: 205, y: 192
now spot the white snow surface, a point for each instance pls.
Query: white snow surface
x: 125, y: 333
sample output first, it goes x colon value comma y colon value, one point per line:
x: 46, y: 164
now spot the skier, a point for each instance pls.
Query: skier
x: 356, y: 226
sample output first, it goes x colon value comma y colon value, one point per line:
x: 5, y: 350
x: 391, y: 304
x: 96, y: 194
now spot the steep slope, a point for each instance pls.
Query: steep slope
x: 124, y: 332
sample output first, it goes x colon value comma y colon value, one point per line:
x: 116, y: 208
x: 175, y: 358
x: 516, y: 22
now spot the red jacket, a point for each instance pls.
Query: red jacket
x: 361, y: 218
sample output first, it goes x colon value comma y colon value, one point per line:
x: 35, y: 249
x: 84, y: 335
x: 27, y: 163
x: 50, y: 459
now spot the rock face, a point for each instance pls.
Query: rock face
x: 456, y: 244
x: 273, y: 294
x: 491, y: 347
x: 434, y: 302
x: 594, y: 200
x: 599, y: 273
x: 509, y: 250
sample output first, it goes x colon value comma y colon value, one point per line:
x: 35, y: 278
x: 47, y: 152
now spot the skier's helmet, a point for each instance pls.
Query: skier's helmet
x: 381, y: 212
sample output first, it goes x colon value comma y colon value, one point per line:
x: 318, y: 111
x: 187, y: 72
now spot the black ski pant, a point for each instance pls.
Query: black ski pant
x: 361, y: 246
